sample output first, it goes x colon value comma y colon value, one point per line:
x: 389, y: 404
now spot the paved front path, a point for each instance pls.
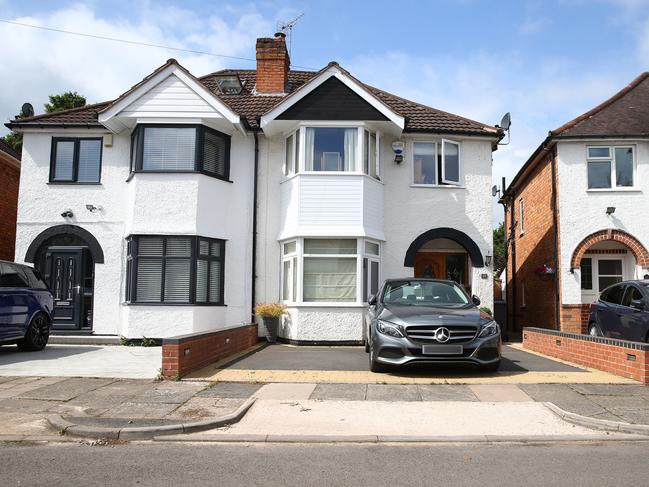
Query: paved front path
x: 82, y: 361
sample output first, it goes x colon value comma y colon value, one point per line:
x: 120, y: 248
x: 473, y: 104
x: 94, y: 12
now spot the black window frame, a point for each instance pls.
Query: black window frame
x: 132, y: 260
x: 137, y: 150
x: 75, y: 160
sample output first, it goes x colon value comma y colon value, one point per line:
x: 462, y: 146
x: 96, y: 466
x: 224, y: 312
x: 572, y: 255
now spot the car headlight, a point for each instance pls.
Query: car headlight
x: 489, y: 328
x: 390, y: 329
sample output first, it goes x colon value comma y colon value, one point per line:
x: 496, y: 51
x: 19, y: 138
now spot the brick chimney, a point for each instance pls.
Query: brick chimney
x: 272, y: 64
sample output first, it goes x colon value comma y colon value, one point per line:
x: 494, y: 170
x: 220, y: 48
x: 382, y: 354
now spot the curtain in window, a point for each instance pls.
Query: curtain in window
x: 329, y: 279
x: 309, y: 148
x: 214, y: 153
x: 351, y: 136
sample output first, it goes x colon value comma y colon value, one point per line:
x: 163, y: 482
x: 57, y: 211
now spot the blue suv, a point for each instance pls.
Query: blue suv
x: 25, y: 307
x: 622, y: 311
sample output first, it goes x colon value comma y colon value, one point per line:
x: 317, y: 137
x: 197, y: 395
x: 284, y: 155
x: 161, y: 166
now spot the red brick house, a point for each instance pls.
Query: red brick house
x: 9, y: 179
x: 576, y: 213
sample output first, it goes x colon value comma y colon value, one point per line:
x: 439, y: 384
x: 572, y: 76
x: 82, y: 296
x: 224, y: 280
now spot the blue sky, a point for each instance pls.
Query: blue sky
x: 544, y: 61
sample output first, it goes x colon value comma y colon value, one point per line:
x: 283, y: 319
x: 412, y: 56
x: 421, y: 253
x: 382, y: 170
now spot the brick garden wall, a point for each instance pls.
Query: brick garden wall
x: 619, y: 357
x: 184, y: 354
x: 9, y: 180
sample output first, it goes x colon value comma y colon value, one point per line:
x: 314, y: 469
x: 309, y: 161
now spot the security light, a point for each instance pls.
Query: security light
x: 67, y: 214
x: 610, y: 210
x: 92, y: 208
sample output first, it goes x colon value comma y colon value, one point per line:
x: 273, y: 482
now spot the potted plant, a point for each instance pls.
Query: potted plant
x: 270, y: 314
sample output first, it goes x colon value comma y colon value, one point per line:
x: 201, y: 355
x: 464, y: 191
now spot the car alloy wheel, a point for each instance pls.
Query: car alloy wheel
x: 593, y: 331
x: 37, y: 334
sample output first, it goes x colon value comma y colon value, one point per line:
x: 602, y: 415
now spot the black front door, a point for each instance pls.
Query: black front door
x: 65, y: 275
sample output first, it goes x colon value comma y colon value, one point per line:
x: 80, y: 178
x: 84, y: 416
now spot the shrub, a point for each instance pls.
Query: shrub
x: 486, y: 310
x: 270, y: 310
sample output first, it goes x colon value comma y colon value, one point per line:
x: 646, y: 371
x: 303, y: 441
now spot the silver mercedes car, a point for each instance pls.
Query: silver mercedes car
x: 429, y: 321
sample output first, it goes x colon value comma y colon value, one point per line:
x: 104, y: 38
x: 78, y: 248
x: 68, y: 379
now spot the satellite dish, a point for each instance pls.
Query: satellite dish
x: 494, y: 190
x: 506, y: 122
x: 27, y: 110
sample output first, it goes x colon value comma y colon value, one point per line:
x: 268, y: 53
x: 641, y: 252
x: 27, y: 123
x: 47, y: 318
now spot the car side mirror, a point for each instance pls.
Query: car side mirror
x: 371, y: 300
x: 476, y: 300
x: 637, y: 304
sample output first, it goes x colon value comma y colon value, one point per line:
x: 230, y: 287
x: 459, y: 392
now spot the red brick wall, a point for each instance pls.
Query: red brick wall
x: 574, y: 317
x: 605, y: 354
x: 9, y: 180
x: 533, y: 249
x: 272, y: 65
x: 188, y: 353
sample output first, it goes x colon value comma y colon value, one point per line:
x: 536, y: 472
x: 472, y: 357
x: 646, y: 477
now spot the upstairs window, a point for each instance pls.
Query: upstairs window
x: 521, y: 216
x: 175, y: 270
x: 180, y: 148
x: 436, y: 163
x: 292, y: 145
x: 330, y: 149
x: 610, y: 167
x: 76, y: 160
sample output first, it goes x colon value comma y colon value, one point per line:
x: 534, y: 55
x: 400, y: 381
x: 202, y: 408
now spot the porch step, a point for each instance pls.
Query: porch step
x: 66, y: 339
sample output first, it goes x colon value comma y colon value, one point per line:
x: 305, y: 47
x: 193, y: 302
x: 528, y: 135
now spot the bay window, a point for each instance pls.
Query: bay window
x: 332, y: 149
x: 329, y: 270
x: 436, y: 163
x: 610, y: 167
x: 180, y: 148
x: 175, y: 270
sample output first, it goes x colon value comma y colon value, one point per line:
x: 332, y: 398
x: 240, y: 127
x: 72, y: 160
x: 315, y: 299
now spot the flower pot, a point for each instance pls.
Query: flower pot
x: 270, y: 328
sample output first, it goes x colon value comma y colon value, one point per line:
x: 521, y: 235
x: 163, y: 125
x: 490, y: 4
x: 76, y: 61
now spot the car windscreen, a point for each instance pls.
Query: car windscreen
x: 424, y: 293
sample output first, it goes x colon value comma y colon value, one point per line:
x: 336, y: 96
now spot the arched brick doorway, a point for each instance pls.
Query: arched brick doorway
x: 633, y: 244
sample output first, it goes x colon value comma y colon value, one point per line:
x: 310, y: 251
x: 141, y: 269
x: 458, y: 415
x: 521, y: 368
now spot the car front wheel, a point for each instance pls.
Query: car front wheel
x: 593, y: 330
x: 38, y: 333
x: 374, y: 365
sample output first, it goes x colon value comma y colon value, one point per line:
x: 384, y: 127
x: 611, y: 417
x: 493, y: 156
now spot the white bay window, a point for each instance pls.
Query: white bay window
x: 329, y: 270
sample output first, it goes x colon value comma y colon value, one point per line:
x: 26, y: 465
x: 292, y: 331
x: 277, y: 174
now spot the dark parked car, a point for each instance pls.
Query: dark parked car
x: 622, y: 311
x: 429, y: 321
x: 25, y: 307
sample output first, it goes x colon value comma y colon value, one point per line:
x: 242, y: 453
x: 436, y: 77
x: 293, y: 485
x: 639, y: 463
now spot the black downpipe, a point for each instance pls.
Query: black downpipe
x: 254, y: 229
x: 555, y: 225
x: 512, y: 236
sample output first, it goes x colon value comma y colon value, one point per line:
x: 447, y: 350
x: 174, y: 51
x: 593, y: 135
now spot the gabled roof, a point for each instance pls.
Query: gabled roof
x: 251, y: 106
x: 625, y: 114
x: 7, y: 149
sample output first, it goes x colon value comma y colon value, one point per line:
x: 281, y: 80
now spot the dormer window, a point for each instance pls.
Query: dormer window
x: 180, y: 148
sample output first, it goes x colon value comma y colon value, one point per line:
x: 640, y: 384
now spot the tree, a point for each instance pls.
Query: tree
x: 65, y: 101
x: 500, y: 248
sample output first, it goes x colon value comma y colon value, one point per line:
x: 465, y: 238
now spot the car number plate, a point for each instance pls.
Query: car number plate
x: 442, y: 350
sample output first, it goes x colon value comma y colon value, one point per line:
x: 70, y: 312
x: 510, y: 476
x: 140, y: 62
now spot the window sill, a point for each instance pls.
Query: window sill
x: 330, y: 173
x: 71, y: 183
x: 325, y: 305
x: 441, y: 186
x: 614, y: 190
x: 133, y: 173
x: 193, y: 305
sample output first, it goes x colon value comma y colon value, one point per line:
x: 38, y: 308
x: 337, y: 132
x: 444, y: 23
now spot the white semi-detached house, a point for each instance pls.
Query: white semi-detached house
x: 176, y: 207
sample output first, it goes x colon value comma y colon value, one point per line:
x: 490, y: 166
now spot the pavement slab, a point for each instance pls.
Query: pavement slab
x: 444, y: 392
x: 140, y: 410
x: 198, y: 408
x: 391, y: 392
x: 609, y: 402
x: 230, y: 389
x: 348, y: 392
x: 65, y: 390
x: 611, y: 389
x: 287, y: 391
x: 499, y: 393
x: 563, y: 396
x: 26, y: 384
x: 169, y: 392
x: 26, y: 405
x: 631, y: 415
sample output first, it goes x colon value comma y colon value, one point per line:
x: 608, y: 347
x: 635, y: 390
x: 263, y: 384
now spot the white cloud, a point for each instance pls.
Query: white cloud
x: 533, y: 26
x: 44, y: 63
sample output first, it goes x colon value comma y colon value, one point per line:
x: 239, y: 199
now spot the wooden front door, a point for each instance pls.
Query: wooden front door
x: 443, y: 265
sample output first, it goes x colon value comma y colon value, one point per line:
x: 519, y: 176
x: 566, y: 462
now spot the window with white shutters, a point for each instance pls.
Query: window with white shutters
x: 180, y: 148
x: 175, y: 270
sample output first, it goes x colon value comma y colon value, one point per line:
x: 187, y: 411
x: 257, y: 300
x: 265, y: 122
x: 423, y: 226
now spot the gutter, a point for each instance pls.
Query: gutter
x: 254, y: 228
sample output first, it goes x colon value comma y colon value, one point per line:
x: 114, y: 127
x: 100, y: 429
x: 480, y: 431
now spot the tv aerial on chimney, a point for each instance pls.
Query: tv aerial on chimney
x: 286, y: 28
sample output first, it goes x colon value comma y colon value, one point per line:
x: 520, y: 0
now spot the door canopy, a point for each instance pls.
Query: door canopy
x: 450, y: 233
x: 93, y: 245
x: 633, y: 244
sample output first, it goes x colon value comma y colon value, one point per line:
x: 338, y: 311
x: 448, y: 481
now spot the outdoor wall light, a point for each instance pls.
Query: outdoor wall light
x: 610, y: 210
x: 92, y: 208
x: 398, y: 148
x: 67, y: 214
x: 487, y: 259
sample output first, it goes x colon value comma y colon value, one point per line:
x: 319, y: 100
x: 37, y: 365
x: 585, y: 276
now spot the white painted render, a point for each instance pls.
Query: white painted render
x: 170, y: 204
x: 583, y: 212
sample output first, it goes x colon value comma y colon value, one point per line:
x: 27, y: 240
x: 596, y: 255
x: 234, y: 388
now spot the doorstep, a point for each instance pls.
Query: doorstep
x: 58, y: 338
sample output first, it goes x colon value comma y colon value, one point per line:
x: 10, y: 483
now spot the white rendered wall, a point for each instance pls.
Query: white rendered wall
x: 172, y: 204
x: 583, y: 212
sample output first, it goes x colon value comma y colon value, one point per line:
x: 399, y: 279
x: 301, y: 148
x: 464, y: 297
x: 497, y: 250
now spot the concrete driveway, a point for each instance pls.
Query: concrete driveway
x: 82, y: 361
